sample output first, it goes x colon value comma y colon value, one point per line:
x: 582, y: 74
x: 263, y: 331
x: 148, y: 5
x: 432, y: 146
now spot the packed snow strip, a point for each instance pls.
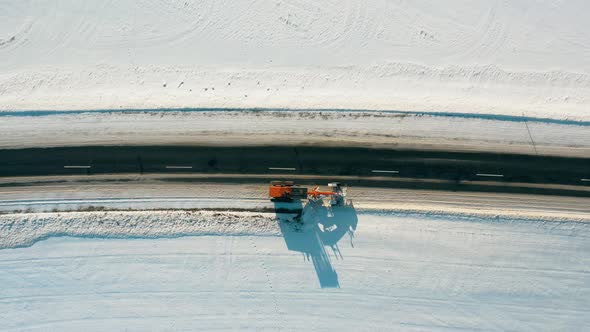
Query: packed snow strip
x: 24, y: 229
x: 339, y: 128
x: 471, y: 213
x: 493, y: 57
x: 320, y: 111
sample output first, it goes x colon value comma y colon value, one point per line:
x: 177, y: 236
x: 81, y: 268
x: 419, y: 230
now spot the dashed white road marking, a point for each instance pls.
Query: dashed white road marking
x: 585, y: 180
x: 179, y: 167
x: 77, y: 166
x: 384, y: 171
x: 490, y: 175
x: 282, y: 168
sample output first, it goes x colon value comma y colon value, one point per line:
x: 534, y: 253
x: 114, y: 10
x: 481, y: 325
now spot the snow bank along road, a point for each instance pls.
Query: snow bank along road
x: 239, y: 127
x: 493, y: 56
x: 394, y: 272
x: 358, y: 166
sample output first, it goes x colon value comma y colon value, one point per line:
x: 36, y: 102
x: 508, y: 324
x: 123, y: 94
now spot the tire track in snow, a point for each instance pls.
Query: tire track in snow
x: 268, y: 279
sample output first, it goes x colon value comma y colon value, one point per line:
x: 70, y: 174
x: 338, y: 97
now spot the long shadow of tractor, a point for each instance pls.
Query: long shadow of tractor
x: 316, y: 226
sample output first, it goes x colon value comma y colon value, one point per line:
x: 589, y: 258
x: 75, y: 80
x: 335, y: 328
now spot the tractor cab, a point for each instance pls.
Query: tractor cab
x: 286, y: 191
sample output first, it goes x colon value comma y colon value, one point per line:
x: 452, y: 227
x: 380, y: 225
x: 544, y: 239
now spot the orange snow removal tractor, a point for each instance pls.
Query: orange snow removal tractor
x: 287, y: 191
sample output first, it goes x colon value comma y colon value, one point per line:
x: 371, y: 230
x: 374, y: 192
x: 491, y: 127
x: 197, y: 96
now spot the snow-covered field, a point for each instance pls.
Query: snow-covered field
x: 489, y: 56
x: 394, y: 272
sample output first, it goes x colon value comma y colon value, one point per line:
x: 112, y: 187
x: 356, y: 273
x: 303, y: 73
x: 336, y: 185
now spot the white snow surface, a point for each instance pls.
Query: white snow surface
x: 337, y: 128
x: 489, y: 56
x: 26, y: 229
x: 392, y: 272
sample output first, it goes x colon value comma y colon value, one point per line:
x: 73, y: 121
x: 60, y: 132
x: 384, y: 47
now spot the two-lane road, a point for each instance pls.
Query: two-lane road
x: 370, y: 167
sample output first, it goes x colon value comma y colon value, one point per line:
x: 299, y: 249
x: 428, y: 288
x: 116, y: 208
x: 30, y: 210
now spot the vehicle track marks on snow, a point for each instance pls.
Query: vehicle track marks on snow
x: 268, y: 279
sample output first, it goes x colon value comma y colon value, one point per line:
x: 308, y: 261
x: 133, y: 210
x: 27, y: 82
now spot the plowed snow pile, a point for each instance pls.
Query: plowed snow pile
x: 499, y: 57
x: 26, y: 229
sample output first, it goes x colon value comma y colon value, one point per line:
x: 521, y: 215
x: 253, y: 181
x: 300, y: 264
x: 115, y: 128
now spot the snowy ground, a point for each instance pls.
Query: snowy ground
x: 399, y: 272
x: 492, y: 56
x: 338, y: 128
x: 439, y: 261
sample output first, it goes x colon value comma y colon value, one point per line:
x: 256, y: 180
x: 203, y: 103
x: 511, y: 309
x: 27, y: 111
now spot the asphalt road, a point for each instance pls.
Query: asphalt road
x: 373, y: 167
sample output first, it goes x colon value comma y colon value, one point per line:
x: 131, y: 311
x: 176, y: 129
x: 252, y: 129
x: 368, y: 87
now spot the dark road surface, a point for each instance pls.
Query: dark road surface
x: 457, y: 169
